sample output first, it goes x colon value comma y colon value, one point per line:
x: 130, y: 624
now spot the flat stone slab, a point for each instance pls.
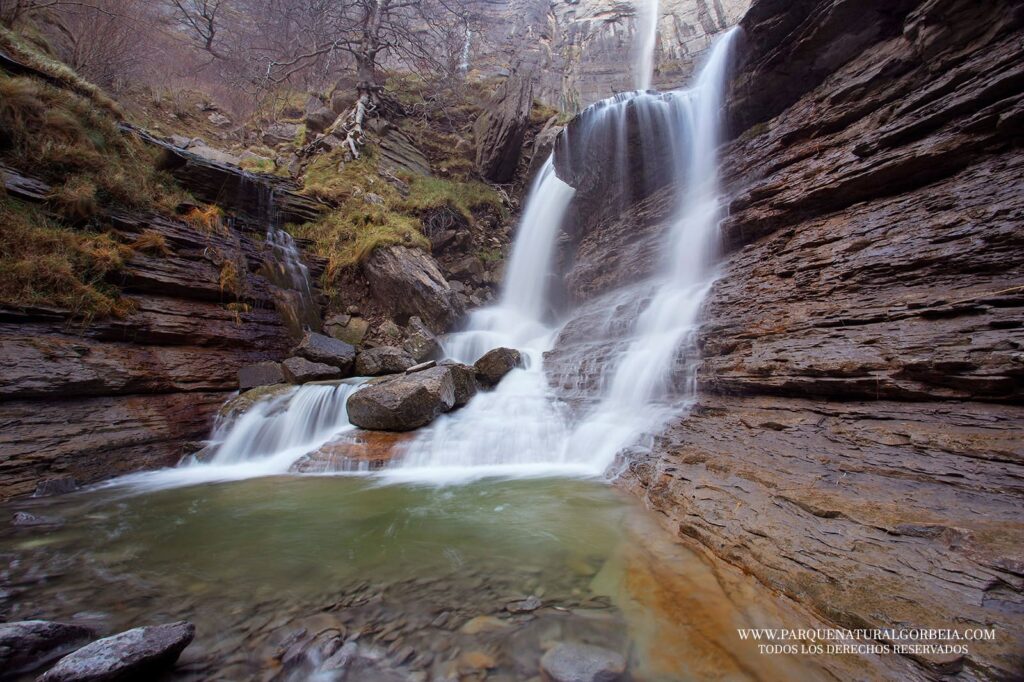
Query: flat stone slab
x: 133, y: 654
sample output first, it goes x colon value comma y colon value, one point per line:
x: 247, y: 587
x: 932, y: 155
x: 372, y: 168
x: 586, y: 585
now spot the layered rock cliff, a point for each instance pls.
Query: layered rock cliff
x: 585, y: 50
x: 855, y: 442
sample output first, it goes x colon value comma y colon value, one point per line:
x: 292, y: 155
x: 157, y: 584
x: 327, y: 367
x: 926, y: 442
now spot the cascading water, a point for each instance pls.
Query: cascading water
x: 648, y: 30
x: 519, y: 428
x: 464, y: 56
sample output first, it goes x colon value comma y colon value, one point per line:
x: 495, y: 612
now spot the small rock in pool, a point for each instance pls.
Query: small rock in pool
x: 571, y: 662
x: 527, y: 605
x: 28, y: 520
x: 61, y: 485
x: 29, y: 644
x: 134, y: 654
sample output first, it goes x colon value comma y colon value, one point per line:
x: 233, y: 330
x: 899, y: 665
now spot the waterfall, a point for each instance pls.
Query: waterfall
x: 519, y: 428
x: 464, y: 56
x: 283, y: 266
x: 648, y: 30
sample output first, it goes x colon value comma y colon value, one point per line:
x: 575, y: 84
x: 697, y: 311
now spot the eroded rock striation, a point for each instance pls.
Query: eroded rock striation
x: 855, y: 442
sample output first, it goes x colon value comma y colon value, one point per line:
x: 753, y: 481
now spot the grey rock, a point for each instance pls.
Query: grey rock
x: 420, y: 342
x: 495, y: 364
x: 135, y: 654
x: 280, y: 132
x: 403, y: 403
x: 571, y: 662
x: 300, y: 370
x: 329, y: 351
x: 464, y: 378
x: 407, y: 282
x: 383, y: 360
x: 215, y: 155
x: 218, y: 119
x: 320, y: 119
x: 499, y: 131
x: 30, y: 644
x: 59, y: 485
x: 528, y: 605
x: 260, y: 374
x: 27, y: 520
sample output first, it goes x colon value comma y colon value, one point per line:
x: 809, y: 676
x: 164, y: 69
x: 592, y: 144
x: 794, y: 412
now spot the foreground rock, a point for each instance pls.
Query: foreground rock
x: 420, y: 342
x: 581, y: 663
x: 464, y: 378
x: 301, y: 371
x: 495, y: 364
x: 326, y: 350
x: 140, y: 653
x: 30, y: 644
x: 405, y: 402
x: 59, y: 485
x: 383, y: 360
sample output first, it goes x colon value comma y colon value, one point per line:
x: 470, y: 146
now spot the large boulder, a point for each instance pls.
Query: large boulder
x: 383, y: 360
x: 300, y: 371
x: 571, y: 662
x: 318, y: 117
x: 407, y: 282
x: 404, y: 402
x: 499, y: 131
x: 260, y: 374
x: 495, y: 364
x: 29, y: 644
x: 140, y: 653
x: 279, y: 133
x: 324, y: 349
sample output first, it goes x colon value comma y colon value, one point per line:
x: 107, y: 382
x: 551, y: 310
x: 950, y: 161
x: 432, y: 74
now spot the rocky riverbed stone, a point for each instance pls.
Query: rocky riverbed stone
x: 404, y: 402
x: 58, y: 485
x: 572, y: 662
x: 299, y: 370
x: 495, y: 364
x: 464, y: 378
x: 383, y: 360
x: 420, y: 342
x: 140, y: 653
x: 260, y: 374
x: 326, y: 350
x: 29, y: 644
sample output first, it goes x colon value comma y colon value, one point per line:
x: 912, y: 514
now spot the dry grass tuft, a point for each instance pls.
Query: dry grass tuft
x: 151, y: 242
x: 209, y: 219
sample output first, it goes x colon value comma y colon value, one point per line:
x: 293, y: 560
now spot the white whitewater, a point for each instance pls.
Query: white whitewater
x: 648, y: 29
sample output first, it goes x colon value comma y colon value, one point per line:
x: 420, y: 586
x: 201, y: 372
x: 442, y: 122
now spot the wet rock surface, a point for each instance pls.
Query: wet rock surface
x: 301, y: 370
x: 404, y: 402
x: 500, y: 129
x: 581, y: 663
x: 382, y: 360
x: 30, y: 644
x: 857, y: 368
x: 260, y: 374
x: 495, y: 364
x: 134, y: 654
x: 326, y: 350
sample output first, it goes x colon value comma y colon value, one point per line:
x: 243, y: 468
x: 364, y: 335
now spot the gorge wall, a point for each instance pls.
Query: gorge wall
x: 582, y: 51
x: 97, y: 399
x: 855, y: 443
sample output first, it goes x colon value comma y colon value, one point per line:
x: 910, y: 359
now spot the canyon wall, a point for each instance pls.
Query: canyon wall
x: 581, y: 51
x: 855, y: 442
x: 94, y: 399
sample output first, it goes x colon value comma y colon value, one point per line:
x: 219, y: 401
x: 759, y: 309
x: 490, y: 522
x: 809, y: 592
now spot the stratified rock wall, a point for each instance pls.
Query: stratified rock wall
x: 585, y: 50
x: 856, y: 441
x: 105, y: 397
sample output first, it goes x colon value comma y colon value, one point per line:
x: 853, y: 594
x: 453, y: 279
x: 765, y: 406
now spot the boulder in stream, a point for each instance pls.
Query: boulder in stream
x: 403, y: 402
x: 495, y: 364
x: 383, y: 360
x: 464, y: 378
x: 30, y: 644
x: 140, y: 653
x: 58, y: 485
x: 324, y: 349
x: 420, y: 342
x: 300, y: 371
x: 572, y: 662
x: 407, y: 282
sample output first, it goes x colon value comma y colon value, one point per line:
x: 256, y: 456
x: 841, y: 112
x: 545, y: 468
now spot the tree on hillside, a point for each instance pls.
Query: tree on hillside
x: 279, y: 42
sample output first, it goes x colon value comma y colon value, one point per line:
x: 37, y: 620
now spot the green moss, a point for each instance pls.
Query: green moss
x: 300, y: 137
x: 428, y: 193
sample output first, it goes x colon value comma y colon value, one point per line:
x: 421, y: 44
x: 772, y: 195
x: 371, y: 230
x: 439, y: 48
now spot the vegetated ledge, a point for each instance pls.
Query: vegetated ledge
x: 860, y: 381
x: 120, y: 394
